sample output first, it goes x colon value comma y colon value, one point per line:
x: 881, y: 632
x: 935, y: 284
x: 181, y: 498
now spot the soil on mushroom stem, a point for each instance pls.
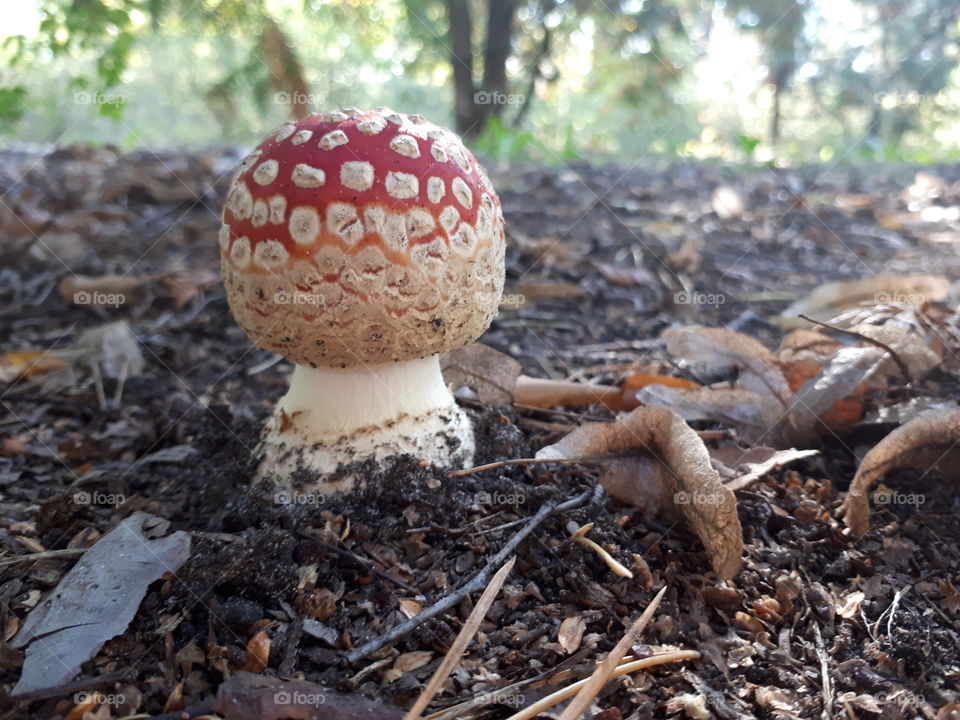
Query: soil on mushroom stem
x: 255, y: 561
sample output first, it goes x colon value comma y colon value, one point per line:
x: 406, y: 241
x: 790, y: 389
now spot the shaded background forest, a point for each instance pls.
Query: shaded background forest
x: 547, y: 81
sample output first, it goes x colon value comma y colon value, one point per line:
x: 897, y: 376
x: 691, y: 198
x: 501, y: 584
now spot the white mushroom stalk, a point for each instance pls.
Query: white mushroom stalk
x: 361, y: 245
x: 334, y: 416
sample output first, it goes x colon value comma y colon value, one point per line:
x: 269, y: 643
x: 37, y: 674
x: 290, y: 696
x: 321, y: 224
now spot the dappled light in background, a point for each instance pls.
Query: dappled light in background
x: 546, y: 80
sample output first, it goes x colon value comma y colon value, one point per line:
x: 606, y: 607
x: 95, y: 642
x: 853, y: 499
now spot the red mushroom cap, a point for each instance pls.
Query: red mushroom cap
x: 354, y: 237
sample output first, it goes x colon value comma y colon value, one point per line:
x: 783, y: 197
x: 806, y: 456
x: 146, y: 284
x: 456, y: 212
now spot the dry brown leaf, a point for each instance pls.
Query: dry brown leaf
x: 175, y: 700
x: 780, y: 701
x: 746, y: 621
x: 27, y: 363
x: 833, y: 298
x: 539, y: 392
x: 491, y: 374
x: 184, y: 285
x: 258, y: 653
x: 909, y: 346
x: 951, y: 596
x: 807, y: 345
x: 408, y: 662
x: 668, y: 469
x: 570, y: 634
x: 816, y: 398
x: 750, y: 413
x: 410, y: 608
x: 16, y: 445
x: 929, y: 443
x: 845, y: 412
x: 719, y: 348
x: 848, y: 606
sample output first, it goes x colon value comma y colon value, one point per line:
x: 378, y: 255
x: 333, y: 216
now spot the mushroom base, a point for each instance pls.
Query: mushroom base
x: 336, y: 417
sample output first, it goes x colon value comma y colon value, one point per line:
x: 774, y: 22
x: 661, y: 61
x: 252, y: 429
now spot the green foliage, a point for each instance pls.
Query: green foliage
x: 612, y: 79
x: 748, y: 144
x: 12, y: 102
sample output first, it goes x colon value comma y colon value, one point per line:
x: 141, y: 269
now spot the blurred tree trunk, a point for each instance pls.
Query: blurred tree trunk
x: 475, y: 106
x: 497, y: 51
x: 286, y: 72
x: 781, y: 76
x: 461, y: 58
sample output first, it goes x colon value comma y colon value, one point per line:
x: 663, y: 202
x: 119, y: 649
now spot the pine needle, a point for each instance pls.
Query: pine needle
x: 469, y: 629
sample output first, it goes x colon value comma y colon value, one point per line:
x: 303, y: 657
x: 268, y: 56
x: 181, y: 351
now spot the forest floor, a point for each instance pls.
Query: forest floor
x: 816, y: 623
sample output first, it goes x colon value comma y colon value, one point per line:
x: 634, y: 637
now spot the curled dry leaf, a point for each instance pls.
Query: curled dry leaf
x: 806, y: 345
x: 668, y: 469
x: 929, y: 443
x: 751, y: 413
x: 491, y: 374
x: 721, y: 348
x: 832, y: 298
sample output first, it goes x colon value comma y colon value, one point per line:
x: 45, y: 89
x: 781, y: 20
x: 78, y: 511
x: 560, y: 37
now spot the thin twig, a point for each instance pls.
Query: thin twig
x: 469, y: 629
x: 705, y: 435
x: 578, y: 706
x: 551, y: 676
x: 365, y: 564
x: 69, y: 552
x: 515, y: 461
x: 75, y: 686
x: 563, y: 507
x: 872, y: 341
x: 825, y: 674
x: 478, y: 582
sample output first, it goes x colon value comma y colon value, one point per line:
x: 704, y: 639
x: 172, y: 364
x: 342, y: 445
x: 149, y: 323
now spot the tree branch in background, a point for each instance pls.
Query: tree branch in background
x: 498, y: 48
x: 536, y: 69
x: 460, y: 33
x: 286, y: 73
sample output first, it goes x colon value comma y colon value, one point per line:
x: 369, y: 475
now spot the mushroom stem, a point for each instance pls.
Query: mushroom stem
x: 341, y: 400
x: 332, y: 417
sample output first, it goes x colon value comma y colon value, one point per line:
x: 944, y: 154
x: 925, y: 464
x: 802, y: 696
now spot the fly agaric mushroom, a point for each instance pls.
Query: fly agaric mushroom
x: 360, y: 245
